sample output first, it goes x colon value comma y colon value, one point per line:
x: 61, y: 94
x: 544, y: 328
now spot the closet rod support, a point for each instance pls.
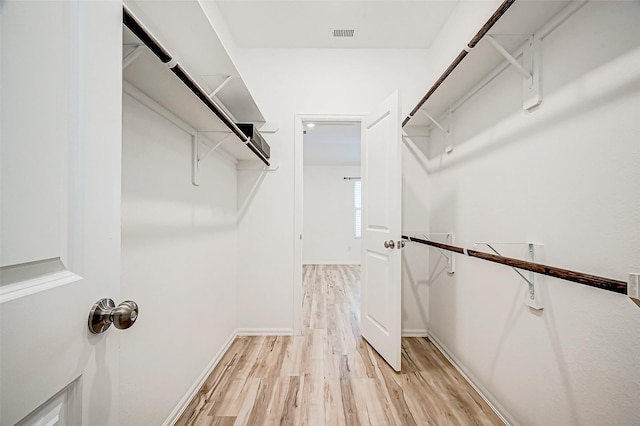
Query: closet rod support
x: 532, y: 298
x: 216, y: 146
x: 195, y: 154
x: 451, y: 268
x: 529, y: 69
x: 132, y: 56
x: 513, y: 61
x: 447, y: 132
x: 633, y: 288
x: 434, y: 121
x: 257, y: 166
x: 221, y: 86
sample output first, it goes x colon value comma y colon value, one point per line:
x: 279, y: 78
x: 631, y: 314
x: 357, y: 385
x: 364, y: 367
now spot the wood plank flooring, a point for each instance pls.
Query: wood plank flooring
x: 329, y: 375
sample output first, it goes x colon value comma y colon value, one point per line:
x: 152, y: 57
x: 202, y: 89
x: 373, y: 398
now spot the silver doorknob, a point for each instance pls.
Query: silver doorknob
x: 389, y: 244
x: 105, y: 312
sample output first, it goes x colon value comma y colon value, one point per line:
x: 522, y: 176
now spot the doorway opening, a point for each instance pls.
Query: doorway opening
x: 331, y: 194
x: 327, y: 189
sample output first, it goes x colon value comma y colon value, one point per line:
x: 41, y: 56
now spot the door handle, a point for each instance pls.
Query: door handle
x: 105, y: 312
x: 389, y: 244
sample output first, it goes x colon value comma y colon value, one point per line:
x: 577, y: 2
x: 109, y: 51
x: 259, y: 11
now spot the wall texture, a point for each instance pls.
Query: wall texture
x: 329, y: 216
x: 179, y: 260
x: 303, y: 81
x: 565, y: 176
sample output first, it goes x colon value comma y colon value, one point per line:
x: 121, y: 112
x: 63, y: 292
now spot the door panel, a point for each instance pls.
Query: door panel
x: 60, y: 208
x: 378, y: 311
x: 381, y: 222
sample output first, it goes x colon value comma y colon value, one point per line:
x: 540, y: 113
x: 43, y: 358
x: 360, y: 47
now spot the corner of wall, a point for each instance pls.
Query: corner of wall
x: 193, y: 390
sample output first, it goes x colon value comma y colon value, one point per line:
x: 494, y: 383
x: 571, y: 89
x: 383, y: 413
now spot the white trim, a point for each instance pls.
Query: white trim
x: 193, y: 390
x: 419, y: 332
x: 264, y: 332
x: 493, y: 403
x: 36, y: 285
x: 297, y: 184
x: 325, y: 262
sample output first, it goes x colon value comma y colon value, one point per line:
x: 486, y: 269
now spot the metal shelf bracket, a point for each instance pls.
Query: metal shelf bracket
x: 533, y: 298
x: 451, y: 266
x: 633, y: 288
x: 529, y: 69
x: 136, y: 50
x: 196, y: 158
x: 257, y: 166
x: 220, y: 86
x: 447, y: 132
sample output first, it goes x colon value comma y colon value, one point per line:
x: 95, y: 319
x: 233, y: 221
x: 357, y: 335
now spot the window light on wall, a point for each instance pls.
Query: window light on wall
x: 357, y: 210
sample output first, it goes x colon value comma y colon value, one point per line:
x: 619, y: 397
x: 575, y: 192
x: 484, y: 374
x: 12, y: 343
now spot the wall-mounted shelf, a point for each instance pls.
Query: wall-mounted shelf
x: 515, y: 28
x: 183, y: 82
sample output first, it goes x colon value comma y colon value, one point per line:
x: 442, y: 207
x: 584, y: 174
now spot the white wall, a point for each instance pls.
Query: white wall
x: 328, y: 232
x: 415, y: 258
x: 303, y: 81
x: 567, y: 176
x: 179, y: 258
x: 463, y: 23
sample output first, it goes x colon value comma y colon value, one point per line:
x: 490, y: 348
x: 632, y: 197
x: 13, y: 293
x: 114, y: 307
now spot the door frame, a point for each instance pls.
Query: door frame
x: 298, y: 150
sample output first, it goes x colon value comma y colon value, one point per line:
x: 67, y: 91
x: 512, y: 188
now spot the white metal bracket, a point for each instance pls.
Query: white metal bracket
x: 633, y: 288
x: 196, y: 158
x: 529, y: 69
x: 132, y: 55
x: 447, y: 131
x: 269, y: 128
x: 257, y: 166
x: 451, y: 266
x: 533, y: 298
x: 220, y: 86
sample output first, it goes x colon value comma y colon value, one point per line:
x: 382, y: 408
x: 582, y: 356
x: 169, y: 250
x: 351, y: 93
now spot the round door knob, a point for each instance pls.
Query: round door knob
x: 125, y: 314
x: 389, y: 244
x: 105, y: 312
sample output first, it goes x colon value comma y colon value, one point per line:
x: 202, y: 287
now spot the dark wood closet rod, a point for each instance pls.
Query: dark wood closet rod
x: 138, y: 28
x: 564, y: 274
x: 145, y: 36
x: 485, y: 28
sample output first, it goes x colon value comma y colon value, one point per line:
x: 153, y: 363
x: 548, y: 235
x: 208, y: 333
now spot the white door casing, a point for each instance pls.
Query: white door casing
x: 60, y: 208
x: 380, y: 309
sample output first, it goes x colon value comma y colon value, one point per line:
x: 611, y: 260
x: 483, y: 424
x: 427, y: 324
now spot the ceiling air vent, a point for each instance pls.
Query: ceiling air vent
x: 343, y: 32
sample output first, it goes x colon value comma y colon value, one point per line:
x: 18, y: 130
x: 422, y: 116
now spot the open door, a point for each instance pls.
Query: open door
x: 60, y: 208
x: 380, y: 310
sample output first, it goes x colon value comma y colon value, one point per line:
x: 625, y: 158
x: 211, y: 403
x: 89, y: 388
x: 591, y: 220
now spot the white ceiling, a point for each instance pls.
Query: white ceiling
x: 332, y: 144
x: 307, y: 23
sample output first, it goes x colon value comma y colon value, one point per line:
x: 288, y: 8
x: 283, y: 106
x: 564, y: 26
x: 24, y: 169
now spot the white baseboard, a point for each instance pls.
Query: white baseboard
x: 415, y: 332
x: 500, y: 411
x: 324, y: 262
x: 264, y: 332
x: 193, y: 390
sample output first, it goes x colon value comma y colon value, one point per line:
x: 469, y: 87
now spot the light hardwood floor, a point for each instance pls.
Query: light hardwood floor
x: 329, y: 375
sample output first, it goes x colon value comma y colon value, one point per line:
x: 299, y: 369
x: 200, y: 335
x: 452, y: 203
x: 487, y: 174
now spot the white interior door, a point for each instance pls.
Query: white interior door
x: 60, y: 209
x: 380, y: 310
